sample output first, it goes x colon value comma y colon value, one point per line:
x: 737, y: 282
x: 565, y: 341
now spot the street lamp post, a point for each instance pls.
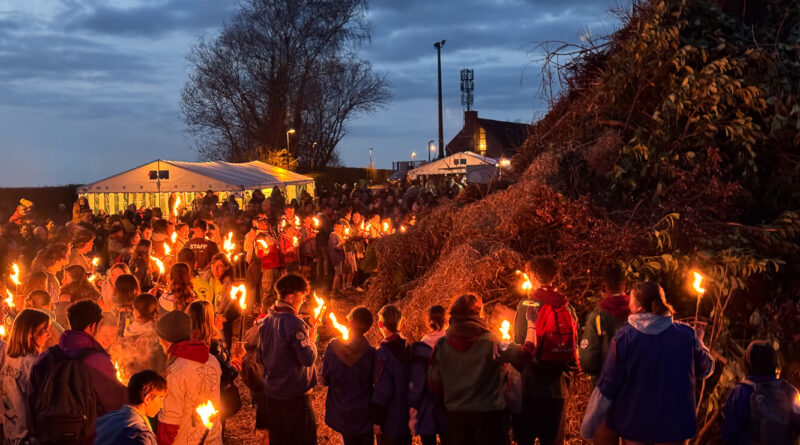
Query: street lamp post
x: 431, y: 148
x: 413, y: 155
x: 290, y: 131
x: 438, y: 46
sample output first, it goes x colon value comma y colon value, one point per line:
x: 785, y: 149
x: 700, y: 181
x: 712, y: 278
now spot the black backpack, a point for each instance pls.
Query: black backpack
x: 771, y: 411
x: 66, y: 407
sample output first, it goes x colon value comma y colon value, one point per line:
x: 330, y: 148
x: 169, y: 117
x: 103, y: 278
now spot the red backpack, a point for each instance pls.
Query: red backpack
x: 556, y: 335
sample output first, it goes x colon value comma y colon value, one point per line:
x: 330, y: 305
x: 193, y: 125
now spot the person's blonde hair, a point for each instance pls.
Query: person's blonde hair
x: 201, y: 315
x: 21, y: 342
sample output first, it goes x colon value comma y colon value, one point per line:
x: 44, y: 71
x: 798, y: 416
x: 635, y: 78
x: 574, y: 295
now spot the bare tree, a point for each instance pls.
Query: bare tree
x: 281, y: 64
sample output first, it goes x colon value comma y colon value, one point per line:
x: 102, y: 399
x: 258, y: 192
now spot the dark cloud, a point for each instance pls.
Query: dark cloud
x: 150, y: 19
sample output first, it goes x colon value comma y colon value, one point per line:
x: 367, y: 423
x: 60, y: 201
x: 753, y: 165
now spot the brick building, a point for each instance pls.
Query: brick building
x: 487, y: 137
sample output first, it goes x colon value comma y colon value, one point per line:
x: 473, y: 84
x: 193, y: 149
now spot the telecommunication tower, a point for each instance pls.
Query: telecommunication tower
x: 467, y: 87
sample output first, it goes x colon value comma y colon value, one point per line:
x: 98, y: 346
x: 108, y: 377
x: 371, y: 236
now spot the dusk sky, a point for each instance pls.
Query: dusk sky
x: 89, y: 88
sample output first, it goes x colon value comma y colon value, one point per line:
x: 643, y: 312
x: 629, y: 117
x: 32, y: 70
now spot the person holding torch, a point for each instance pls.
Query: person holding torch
x: 288, y: 355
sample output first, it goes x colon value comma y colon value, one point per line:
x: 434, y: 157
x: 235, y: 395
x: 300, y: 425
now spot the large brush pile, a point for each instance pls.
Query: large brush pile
x: 673, y: 147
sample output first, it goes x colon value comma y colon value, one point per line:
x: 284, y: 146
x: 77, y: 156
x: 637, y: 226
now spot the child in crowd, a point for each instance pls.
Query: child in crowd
x: 772, y: 397
x: 347, y: 370
x: 140, y: 342
x: 39, y: 299
x: 426, y: 413
x: 546, y: 325
x: 130, y: 425
x: 336, y: 243
x: 466, y: 371
x: 288, y: 355
x: 29, y: 335
x: 126, y: 288
x: 193, y: 377
x: 390, y: 395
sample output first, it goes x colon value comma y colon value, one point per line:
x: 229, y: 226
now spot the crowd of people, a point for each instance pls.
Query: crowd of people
x: 120, y: 326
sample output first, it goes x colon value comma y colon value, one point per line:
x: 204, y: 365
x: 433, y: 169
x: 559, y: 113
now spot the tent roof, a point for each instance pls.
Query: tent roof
x: 195, y: 177
x: 449, y: 165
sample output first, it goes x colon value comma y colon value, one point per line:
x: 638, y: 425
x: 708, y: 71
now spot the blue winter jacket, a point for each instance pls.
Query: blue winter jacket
x: 430, y: 412
x: 390, y: 394
x: 124, y: 426
x: 650, y: 377
x: 736, y: 428
x: 347, y: 371
x: 287, y: 353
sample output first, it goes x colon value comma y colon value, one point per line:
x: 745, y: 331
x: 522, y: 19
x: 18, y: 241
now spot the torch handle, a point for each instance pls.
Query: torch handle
x: 203, y: 439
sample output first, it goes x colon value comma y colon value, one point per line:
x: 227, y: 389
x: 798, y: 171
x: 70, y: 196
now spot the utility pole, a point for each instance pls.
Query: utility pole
x: 438, y: 46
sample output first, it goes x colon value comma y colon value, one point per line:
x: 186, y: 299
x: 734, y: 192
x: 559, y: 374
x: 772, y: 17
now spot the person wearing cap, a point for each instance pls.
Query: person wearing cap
x: 741, y: 425
x: 288, y: 354
x: 193, y: 377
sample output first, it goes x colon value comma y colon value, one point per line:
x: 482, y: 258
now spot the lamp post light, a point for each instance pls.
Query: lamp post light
x: 413, y: 155
x: 431, y: 149
x: 438, y: 46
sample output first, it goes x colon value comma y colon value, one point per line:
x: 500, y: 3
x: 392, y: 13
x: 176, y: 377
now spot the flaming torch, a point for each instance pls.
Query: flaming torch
x: 120, y: 375
x: 175, y: 208
x: 264, y: 245
x: 229, y: 246
x: 15, y: 276
x: 316, y: 222
x: 320, y: 306
x: 526, y: 283
x: 206, y: 411
x: 95, y: 262
x: 240, y: 291
x: 173, y: 237
x: 159, y: 264
x: 505, y: 326
x: 698, y: 287
x: 167, y: 250
x: 9, y: 301
x: 2, y: 331
x: 297, y: 221
x: 340, y: 327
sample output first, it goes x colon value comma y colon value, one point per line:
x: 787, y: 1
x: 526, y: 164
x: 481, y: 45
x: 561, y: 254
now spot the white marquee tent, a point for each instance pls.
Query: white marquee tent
x: 151, y: 185
x: 454, y: 164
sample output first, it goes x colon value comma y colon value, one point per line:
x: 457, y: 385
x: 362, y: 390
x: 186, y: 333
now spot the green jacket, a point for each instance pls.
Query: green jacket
x: 470, y: 380
x: 595, y: 342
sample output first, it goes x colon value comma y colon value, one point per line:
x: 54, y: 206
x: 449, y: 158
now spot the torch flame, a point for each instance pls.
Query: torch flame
x: 297, y: 221
x: 316, y: 221
x: 92, y: 278
x: 95, y: 261
x: 362, y: 226
x: 263, y: 245
x: 206, y: 411
x: 526, y: 284
x: 504, y: 327
x: 236, y: 290
x: 174, y: 237
x: 2, y: 331
x: 386, y: 227
x: 283, y: 223
x: 340, y: 327
x: 229, y: 245
x: 347, y: 231
x: 10, y: 300
x: 120, y: 375
x: 320, y: 306
x: 175, y: 207
x: 15, y: 274
x: 403, y: 229
x: 295, y: 241
x: 159, y: 264
x: 167, y: 250
x: 698, y: 284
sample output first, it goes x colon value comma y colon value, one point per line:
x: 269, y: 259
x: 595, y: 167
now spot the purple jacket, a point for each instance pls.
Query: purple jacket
x: 430, y: 413
x: 347, y: 371
x: 650, y: 376
x: 111, y: 394
x: 390, y: 394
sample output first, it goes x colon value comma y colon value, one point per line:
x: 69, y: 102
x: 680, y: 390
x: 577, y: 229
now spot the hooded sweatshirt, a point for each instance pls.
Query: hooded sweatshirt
x: 287, y: 353
x: 601, y: 325
x: 126, y: 426
x: 193, y: 377
x: 347, y: 371
x: 429, y: 416
x: 466, y: 368
x: 390, y: 394
x: 649, y: 376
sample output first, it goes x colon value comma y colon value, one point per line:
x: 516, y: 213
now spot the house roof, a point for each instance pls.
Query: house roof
x: 455, y: 163
x: 510, y: 135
